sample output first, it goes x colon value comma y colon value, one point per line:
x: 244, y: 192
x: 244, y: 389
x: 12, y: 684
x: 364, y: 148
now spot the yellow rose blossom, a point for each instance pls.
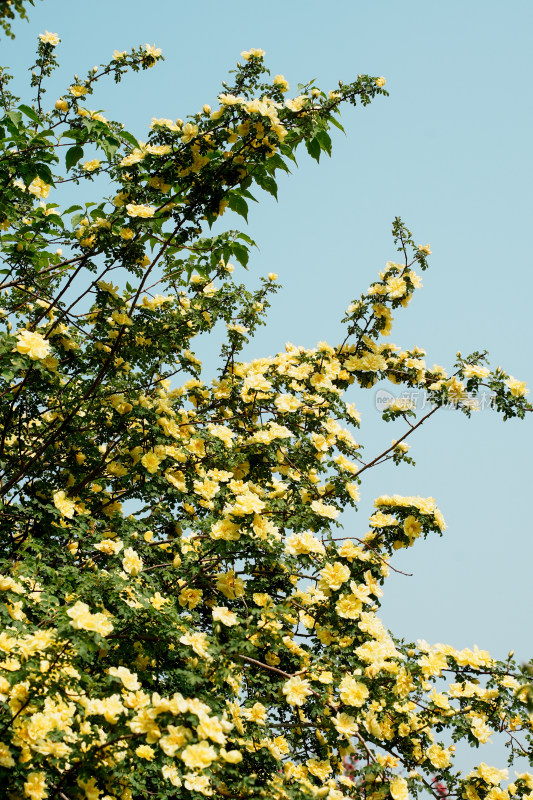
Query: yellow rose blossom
x: 198, y: 642
x: 297, y: 690
x: 90, y: 166
x: 32, y: 344
x: 281, y: 82
x: 325, y: 510
x: 224, y: 615
x: 516, y: 387
x: 399, y: 789
x: 136, y: 210
x: 63, y: 504
x: 353, y: 692
x: 129, y: 679
x: 39, y: 188
x: 83, y: 619
x: 335, y: 575
x: 231, y: 756
x: 132, y: 563
x: 198, y: 756
x: 49, y: 38
x: 78, y: 91
x: 254, y: 51
x: 145, y: 751
x: 152, y: 50
x: 35, y: 786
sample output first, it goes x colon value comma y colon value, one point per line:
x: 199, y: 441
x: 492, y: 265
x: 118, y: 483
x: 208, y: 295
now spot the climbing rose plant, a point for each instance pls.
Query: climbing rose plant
x: 182, y: 615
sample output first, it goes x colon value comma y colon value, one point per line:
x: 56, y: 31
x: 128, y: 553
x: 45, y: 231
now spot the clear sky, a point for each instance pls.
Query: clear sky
x: 450, y: 152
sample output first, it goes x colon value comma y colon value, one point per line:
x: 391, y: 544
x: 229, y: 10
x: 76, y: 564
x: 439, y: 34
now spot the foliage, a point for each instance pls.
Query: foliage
x: 8, y: 11
x: 183, y: 616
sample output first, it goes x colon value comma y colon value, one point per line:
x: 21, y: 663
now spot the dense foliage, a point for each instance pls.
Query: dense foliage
x: 182, y: 613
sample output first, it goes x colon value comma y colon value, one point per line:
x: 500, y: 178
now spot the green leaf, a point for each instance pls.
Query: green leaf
x: 73, y: 155
x: 54, y: 219
x: 241, y: 253
x: 313, y: 148
x: 109, y: 145
x: 246, y: 238
x: 15, y: 117
x: 246, y: 193
x: 324, y: 140
x: 239, y: 205
x: 30, y: 113
x: 70, y: 209
x: 276, y: 162
x: 75, y: 133
x: 76, y: 219
x: 336, y: 123
x: 130, y: 138
x: 268, y: 184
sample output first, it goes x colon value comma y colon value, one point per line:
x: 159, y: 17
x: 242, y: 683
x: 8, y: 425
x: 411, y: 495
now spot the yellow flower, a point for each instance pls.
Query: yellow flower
x: 152, y: 50
x: 82, y: 619
x: 199, y: 643
x: 324, y: 510
x: 399, y: 789
x: 224, y: 615
x: 6, y: 759
x: 345, y: 725
x: 63, y: 504
x: 296, y: 690
x: 199, y: 756
x: 396, y: 287
x: 321, y: 769
x: 425, y: 248
x: 380, y: 82
x: 439, y: 757
x: 49, y: 38
x: 32, y: 344
x: 146, y: 752
x: 257, y: 713
x: 151, y: 462
x: 132, y: 563
x: 119, y: 54
x: 254, y: 51
x: 35, y: 786
x: 412, y: 528
x: 170, y: 773
x: 129, y: 679
x: 78, y: 91
x: 335, y: 574
x: 90, y: 166
x: 140, y: 210
x: 109, y: 546
x: 492, y: 774
x: 352, y: 692
x: 348, y: 606
x: 281, y: 82
x: 516, y: 387
x: 231, y: 756
x: 198, y: 783
x: 39, y: 188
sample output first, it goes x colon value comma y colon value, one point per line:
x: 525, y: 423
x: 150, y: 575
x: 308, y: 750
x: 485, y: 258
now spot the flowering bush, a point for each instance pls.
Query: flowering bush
x: 182, y: 615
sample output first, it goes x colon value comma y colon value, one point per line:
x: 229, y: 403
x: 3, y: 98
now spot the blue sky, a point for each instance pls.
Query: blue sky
x: 449, y: 151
